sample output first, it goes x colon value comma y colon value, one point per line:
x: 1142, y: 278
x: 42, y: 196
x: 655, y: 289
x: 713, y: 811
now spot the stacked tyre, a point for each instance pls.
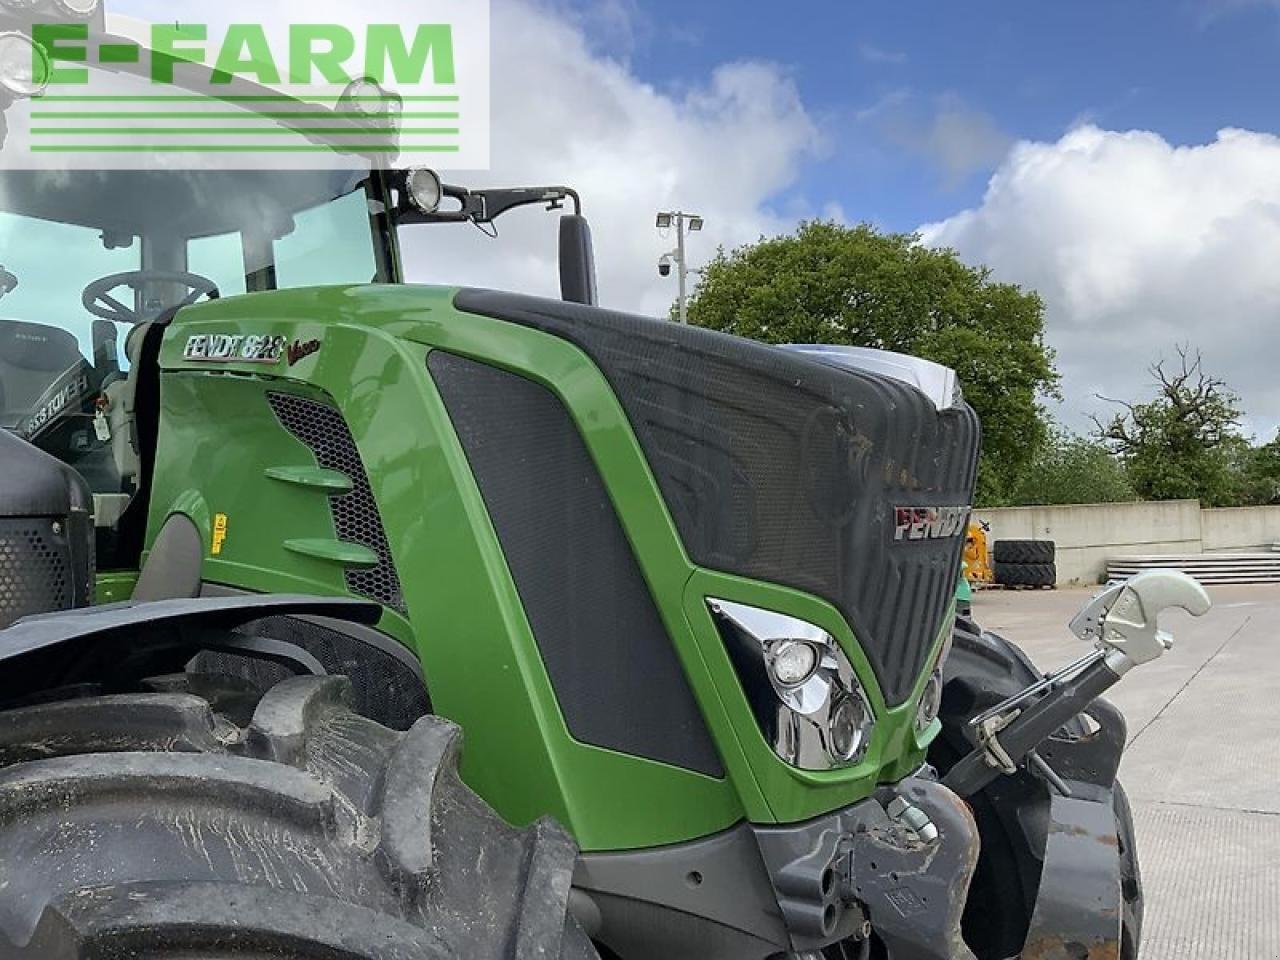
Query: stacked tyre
x: 1025, y: 563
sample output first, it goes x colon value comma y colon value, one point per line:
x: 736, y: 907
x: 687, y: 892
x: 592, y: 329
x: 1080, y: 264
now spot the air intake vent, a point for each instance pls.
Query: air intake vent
x: 35, y: 575
x: 355, y: 514
x: 46, y: 533
x: 615, y: 672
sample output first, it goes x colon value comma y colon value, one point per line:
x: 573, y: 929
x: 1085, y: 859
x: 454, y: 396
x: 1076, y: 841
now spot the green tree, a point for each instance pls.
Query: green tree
x: 1186, y: 442
x: 829, y: 283
x: 1259, y: 471
x: 1070, y: 468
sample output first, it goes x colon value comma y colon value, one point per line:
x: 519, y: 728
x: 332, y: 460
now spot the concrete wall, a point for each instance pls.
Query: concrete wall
x: 1087, y: 534
x: 1240, y: 528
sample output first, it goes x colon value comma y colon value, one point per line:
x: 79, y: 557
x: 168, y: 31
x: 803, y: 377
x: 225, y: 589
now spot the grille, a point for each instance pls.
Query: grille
x: 355, y: 515
x: 611, y: 662
x: 35, y: 570
x: 386, y: 689
x: 780, y: 468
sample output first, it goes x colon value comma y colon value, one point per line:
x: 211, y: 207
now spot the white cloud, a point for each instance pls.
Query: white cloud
x: 1137, y: 244
x: 562, y: 114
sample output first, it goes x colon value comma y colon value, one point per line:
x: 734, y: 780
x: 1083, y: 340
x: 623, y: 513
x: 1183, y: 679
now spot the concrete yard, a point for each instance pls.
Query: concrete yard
x: 1202, y: 768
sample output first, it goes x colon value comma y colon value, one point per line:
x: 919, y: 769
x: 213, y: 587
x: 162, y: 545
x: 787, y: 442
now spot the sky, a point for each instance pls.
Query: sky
x: 1120, y: 158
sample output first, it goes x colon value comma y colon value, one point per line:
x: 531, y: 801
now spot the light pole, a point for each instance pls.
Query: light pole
x: 681, y: 221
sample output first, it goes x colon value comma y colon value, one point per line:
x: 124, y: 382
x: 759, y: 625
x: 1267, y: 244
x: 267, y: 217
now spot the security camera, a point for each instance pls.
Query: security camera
x: 664, y: 267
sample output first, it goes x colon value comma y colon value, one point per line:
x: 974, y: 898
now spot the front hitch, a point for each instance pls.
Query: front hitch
x: 1058, y: 876
x: 1122, y: 624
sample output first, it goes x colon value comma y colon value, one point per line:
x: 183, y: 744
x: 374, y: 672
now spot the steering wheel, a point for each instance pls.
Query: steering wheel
x: 97, y: 297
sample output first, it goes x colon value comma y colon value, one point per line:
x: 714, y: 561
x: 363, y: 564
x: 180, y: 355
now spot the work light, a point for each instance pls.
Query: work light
x: 425, y: 191
x: 800, y: 684
x: 367, y: 97
x: 24, y: 66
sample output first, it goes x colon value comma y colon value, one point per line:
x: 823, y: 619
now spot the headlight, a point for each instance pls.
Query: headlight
x: 24, y: 67
x: 850, y: 728
x: 801, y: 686
x: 931, y: 698
x: 791, y: 662
x: 930, y: 701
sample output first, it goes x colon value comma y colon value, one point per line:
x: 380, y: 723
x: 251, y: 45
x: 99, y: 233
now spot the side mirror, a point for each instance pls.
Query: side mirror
x: 577, y: 260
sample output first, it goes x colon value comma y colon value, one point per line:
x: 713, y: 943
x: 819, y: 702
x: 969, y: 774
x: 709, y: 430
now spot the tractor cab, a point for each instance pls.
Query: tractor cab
x: 92, y: 259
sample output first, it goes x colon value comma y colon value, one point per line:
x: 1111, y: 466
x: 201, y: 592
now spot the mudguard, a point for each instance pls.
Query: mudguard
x: 109, y: 646
x: 1058, y: 876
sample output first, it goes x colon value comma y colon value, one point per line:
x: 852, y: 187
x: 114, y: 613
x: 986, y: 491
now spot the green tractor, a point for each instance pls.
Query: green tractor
x: 277, y: 530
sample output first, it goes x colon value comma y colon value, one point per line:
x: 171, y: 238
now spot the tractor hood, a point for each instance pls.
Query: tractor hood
x: 804, y: 470
x: 811, y: 471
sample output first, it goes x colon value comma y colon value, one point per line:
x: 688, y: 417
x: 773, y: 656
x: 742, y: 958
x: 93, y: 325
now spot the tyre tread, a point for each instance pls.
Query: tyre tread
x: 312, y: 832
x: 1024, y: 551
x: 1026, y: 574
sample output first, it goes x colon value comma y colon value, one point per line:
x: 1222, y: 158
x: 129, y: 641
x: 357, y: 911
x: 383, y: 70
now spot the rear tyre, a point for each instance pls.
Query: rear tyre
x: 1024, y: 551
x: 150, y: 825
x: 1026, y: 574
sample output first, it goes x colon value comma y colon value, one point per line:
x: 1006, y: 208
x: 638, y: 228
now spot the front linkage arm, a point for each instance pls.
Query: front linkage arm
x: 1121, y: 622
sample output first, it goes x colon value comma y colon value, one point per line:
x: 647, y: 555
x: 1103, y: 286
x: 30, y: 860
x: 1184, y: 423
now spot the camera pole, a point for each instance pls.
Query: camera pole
x: 692, y: 223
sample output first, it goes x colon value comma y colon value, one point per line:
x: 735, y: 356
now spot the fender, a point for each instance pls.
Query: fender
x: 112, y: 645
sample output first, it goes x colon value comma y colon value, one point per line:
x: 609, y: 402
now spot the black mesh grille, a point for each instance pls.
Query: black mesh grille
x: 386, y: 689
x: 355, y: 514
x: 35, y: 569
x: 615, y: 673
x: 780, y: 468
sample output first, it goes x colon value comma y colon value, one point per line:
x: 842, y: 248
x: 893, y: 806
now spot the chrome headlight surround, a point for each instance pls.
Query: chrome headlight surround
x: 816, y: 719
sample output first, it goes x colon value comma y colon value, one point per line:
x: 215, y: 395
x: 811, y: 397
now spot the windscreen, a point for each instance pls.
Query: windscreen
x: 75, y: 246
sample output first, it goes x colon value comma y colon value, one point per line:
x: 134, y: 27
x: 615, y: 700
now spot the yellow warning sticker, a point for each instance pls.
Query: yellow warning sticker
x: 219, y: 532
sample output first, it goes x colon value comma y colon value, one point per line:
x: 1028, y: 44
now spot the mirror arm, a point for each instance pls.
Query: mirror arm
x: 482, y: 206
x: 494, y: 203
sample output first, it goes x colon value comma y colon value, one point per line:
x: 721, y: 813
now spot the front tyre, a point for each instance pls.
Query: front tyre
x: 149, y: 825
x: 1130, y: 876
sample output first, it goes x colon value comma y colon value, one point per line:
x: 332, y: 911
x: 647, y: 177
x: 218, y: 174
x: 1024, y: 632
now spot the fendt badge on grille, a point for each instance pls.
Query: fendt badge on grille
x: 929, y: 523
